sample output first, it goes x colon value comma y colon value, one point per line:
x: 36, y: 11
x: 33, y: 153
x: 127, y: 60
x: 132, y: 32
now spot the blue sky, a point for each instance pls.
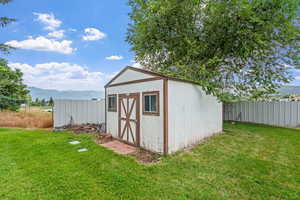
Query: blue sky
x: 76, y: 45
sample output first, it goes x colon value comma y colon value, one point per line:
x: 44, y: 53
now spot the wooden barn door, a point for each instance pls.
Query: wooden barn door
x: 129, y: 118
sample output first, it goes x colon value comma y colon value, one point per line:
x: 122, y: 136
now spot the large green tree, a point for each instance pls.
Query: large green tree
x: 12, y: 90
x: 4, y: 21
x: 239, y: 47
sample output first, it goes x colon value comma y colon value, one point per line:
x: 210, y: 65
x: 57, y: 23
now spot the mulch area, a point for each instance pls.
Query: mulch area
x: 141, y: 155
x: 84, y: 128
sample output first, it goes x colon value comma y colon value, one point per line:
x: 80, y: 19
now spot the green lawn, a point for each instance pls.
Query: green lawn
x: 247, y: 162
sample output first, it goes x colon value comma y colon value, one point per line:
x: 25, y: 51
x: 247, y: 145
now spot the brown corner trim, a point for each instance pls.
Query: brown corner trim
x: 135, y: 81
x: 157, y: 103
x: 165, y: 117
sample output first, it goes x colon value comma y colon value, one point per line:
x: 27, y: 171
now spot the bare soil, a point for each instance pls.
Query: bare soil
x: 146, y: 157
x: 84, y: 128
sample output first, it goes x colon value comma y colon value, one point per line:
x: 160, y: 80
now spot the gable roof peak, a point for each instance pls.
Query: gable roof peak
x: 150, y: 73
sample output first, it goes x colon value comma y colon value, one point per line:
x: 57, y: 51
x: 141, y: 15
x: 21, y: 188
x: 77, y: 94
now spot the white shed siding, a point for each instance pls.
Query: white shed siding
x: 193, y: 115
x: 130, y: 75
x: 151, y: 132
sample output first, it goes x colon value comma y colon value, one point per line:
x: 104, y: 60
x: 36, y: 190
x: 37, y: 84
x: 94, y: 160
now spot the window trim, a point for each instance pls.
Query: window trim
x: 110, y: 109
x: 157, y: 113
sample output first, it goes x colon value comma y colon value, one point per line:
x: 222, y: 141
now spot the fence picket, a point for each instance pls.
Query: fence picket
x: 80, y: 111
x: 272, y: 113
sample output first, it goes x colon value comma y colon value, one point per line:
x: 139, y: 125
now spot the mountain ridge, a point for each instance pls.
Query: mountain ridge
x: 90, y: 94
x: 287, y: 89
x: 64, y: 94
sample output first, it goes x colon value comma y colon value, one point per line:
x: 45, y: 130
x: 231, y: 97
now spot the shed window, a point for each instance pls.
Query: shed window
x: 112, y: 103
x: 151, y: 103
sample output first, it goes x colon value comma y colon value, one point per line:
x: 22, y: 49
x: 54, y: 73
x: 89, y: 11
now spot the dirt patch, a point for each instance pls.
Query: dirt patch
x: 103, y: 138
x: 83, y: 128
x: 92, y: 129
x: 146, y: 157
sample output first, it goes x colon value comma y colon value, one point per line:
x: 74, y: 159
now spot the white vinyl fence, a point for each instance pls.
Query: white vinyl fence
x: 78, y: 112
x: 272, y: 113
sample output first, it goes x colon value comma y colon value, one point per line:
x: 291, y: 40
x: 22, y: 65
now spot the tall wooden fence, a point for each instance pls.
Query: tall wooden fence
x: 272, y: 113
x: 78, y: 112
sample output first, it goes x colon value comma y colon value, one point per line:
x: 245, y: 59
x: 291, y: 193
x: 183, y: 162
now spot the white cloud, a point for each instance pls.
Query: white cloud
x: 57, y: 34
x: 297, y: 77
x: 93, y: 34
x: 49, y: 20
x: 61, y: 76
x: 136, y: 64
x: 51, y: 24
x: 43, y: 44
x: 114, y: 58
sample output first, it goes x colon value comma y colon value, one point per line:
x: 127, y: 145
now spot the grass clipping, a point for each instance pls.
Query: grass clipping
x: 24, y: 119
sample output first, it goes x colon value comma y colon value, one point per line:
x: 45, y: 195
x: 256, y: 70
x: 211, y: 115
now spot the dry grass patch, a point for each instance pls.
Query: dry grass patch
x: 25, y: 119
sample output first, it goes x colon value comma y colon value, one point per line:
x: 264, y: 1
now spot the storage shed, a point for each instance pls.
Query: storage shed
x: 159, y: 113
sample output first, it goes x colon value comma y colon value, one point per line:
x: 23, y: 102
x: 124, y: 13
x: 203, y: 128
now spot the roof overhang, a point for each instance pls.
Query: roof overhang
x: 156, y: 76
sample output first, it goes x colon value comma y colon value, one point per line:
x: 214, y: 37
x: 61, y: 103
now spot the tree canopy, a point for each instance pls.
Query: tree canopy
x: 240, y: 47
x: 12, y: 90
x: 4, y: 21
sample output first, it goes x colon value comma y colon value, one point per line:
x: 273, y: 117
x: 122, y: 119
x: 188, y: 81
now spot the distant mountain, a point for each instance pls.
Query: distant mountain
x: 66, y: 94
x: 90, y: 94
x: 289, y: 90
